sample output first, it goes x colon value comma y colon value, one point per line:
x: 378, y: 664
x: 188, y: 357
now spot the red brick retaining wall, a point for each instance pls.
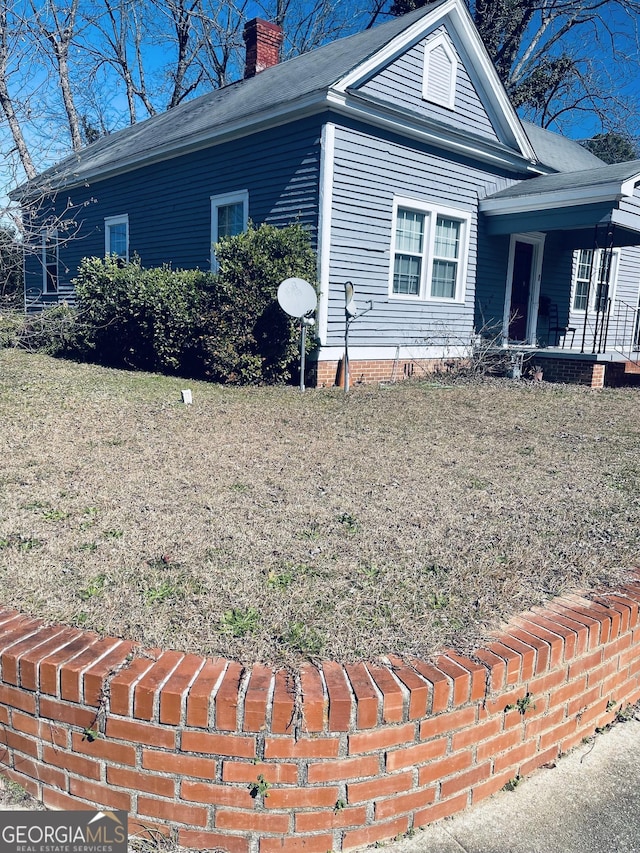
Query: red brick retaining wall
x: 331, y: 758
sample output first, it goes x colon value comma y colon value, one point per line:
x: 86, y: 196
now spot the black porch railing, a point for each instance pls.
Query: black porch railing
x: 626, y: 330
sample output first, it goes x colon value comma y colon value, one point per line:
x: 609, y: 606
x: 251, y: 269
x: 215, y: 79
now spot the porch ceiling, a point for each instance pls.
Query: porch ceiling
x: 573, y: 202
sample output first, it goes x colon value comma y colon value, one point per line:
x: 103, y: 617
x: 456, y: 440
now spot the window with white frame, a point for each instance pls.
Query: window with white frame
x: 439, y: 75
x: 50, y: 261
x: 229, y: 216
x: 116, y: 236
x: 594, y: 277
x: 429, y: 252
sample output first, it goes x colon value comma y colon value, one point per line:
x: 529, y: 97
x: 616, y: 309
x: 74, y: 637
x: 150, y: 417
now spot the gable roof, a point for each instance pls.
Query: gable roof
x: 324, y: 78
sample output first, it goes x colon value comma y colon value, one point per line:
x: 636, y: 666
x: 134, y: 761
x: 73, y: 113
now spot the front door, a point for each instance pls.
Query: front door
x: 520, y: 291
x: 523, y: 288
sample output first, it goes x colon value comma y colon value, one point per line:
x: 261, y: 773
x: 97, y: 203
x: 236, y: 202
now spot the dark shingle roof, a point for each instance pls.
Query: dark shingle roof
x: 602, y: 175
x: 558, y: 152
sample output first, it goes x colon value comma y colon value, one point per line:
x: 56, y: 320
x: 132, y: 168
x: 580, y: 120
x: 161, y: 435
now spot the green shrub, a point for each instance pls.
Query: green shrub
x: 141, y: 318
x: 227, y: 327
x: 246, y: 338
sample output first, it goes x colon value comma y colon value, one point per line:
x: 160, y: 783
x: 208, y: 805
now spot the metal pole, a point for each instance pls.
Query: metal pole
x: 303, y: 347
x: 346, y: 353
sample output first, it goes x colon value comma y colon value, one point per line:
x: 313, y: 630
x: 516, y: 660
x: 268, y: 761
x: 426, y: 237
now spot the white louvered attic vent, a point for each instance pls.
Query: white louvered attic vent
x: 440, y: 66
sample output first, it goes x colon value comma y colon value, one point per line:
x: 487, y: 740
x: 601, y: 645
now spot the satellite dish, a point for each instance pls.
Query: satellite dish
x: 297, y: 297
x: 349, y: 302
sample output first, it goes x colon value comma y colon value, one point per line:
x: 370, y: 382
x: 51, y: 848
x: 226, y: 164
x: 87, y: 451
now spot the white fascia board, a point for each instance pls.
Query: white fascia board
x: 625, y: 219
x: 628, y: 186
x: 314, y: 103
x: 390, y: 119
x: 394, y: 48
x: 494, y: 88
x: 550, y: 200
x: 459, y: 18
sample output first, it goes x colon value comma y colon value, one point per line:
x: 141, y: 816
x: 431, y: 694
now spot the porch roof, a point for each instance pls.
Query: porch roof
x: 605, y: 197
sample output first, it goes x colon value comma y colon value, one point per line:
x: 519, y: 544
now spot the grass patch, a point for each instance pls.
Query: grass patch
x: 263, y: 524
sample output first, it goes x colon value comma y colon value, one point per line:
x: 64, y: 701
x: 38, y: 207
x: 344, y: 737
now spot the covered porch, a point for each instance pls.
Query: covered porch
x: 571, y: 290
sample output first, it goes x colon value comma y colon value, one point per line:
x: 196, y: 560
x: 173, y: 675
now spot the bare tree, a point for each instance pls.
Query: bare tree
x: 117, y: 43
x: 57, y: 27
x: 220, y: 38
x: 11, y: 28
x: 181, y: 15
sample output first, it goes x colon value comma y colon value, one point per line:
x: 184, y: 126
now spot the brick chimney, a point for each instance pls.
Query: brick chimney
x: 262, y: 40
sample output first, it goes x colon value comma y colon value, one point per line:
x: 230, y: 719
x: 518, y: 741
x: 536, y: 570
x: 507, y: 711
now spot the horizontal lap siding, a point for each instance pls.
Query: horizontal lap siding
x: 557, y: 277
x: 400, y: 83
x: 631, y: 204
x: 369, y: 171
x: 168, y: 203
x: 491, y: 278
x: 555, y: 286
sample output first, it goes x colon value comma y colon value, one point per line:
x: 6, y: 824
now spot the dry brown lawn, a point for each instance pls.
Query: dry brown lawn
x: 266, y: 524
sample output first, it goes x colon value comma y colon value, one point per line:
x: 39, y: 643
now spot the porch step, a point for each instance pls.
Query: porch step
x: 632, y: 367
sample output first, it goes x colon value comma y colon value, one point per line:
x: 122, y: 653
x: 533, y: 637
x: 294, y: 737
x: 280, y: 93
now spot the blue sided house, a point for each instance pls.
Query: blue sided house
x: 400, y: 151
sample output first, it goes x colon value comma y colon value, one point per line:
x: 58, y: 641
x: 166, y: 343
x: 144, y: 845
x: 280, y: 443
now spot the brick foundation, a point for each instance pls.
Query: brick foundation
x: 329, y: 373
x: 572, y: 371
x: 234, y: 759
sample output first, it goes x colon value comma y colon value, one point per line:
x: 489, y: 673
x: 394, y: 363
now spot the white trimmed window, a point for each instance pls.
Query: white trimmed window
x: 593, y: 282
x: 439, y: 76
x: 116, y: 236
x: 429, y: 252
x: 49, y: 256
x: 229, y: 216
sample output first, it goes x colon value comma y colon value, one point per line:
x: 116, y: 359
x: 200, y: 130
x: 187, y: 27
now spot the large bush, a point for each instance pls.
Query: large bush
x: 143, y: 318
x: 246, y: 336
x: 227, y: 327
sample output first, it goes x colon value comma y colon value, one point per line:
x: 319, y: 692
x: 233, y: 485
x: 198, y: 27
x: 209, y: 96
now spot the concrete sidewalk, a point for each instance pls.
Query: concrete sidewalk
x: 588, y: 803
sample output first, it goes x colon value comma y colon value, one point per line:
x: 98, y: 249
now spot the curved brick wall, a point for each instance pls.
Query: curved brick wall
x: 363, y: 754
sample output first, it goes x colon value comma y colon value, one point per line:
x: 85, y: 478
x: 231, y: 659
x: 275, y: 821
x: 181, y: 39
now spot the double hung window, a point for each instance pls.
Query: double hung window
x: 116, y: 236
x: 429, y: 252
x: 593, y: 279
x: 229, y: 216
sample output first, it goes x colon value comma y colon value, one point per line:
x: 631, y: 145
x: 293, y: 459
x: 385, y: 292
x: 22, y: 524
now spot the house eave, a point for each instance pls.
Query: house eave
x: 347, y: 104
x: 595, y: 194
x: 263, y: 120
x: 384, y: 116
